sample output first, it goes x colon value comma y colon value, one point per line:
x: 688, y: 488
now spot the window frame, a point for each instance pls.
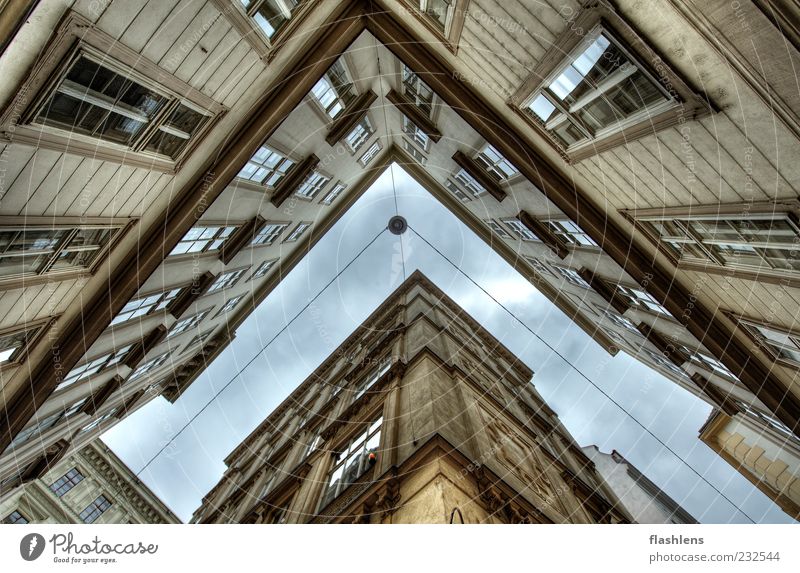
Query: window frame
x: 271, y: 230
x: 241, y: 272
x: 297, y: 232
x: 224, y: 310
x: 646, y: 221
x: 118, y: 226
x: 219, y: 236
x: 364, y: 138
x: 193, y: 321
x: 95, y: 509
x: 266, y: 47
x: 522, y: 232
x: 321, y: 181
x: 345, y: 445
x: 67, y: 480
x: 260, y: 272
x: 11, y: 520
x: 76, y: 35
x: 684, y: 102
x: 331, y: 196
x: 752, y: 327
x: 37, y: 330
x: 160, y: 305
x: 454, y: 22
x: 376, y: 145
x: 110, y: 359
x: 340, y: 100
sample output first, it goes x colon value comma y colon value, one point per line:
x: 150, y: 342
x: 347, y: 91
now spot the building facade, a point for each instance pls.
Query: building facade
x: 420, y: 416
x: 91, y: 485
x: 769, y: 458
x: 643, y: 499
x: 165, y: 163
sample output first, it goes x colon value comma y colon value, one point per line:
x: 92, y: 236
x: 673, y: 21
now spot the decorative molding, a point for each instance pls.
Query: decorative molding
x: 190, y: 294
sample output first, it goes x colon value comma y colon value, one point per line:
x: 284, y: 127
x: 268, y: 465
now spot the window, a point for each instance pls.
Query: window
x: 414, y: 152
x: 570, y: 233
x: 229, y: 305
x: 767, y: 419
x: 784, y: 346
x: 572, y: 276
x: 616, y: 337
x: 187, y: 323
x: 266, y: 167
x: 439, y: 11
x: 663, y: 362
x: 764, y: 242
x: 149, y: 365
x: 203, y: 239
x: 360, y: 134
x: 540, y: 267
x: 39, y: 426
x: 710, y: 363
x: 498, y: 229
x: 640, y: 299
x: 297, y: 232
x: 13, y: 344
x: 96, y: 422
x: 268, y: 234
x: 469, y: 184
x: 15, y: 517
x: 146, y: 305
x: 199, y: 339
x: 95, y: 509
x: 384, y: 364
x: 334, y: 90
x: 415, y: 134
x: 263, y: 269
x: 94, y: 366
x: 352, y: 461
x: 599, y: 89
x: 495, y: 164
x: 417, y: 91
x: 94, y: 99
x: 226, y: 280
x: 38, y: 250
x: 619, y: 320
x: 313, y: 441
x: 270, y: 15
x: 312, y: 185
x: 521, y: 230
x: 66, y: 482
x: 370, y: 154
x: 457, y: 191
x: 333, y: 193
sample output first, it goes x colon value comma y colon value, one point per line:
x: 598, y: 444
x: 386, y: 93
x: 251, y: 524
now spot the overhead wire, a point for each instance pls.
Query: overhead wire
x: 580, y: 373
x: 260, y: 351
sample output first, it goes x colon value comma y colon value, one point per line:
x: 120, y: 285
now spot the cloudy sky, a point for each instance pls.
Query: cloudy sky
x: 192, y: 464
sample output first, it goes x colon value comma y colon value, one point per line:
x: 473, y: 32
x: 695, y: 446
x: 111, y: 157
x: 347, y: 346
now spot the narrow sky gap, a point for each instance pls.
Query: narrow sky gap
x: 190, y: 466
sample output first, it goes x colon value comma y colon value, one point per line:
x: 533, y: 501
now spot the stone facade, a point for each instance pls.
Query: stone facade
x: 769, y: 458
x: 91, y: 485
x: 420, y: 416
